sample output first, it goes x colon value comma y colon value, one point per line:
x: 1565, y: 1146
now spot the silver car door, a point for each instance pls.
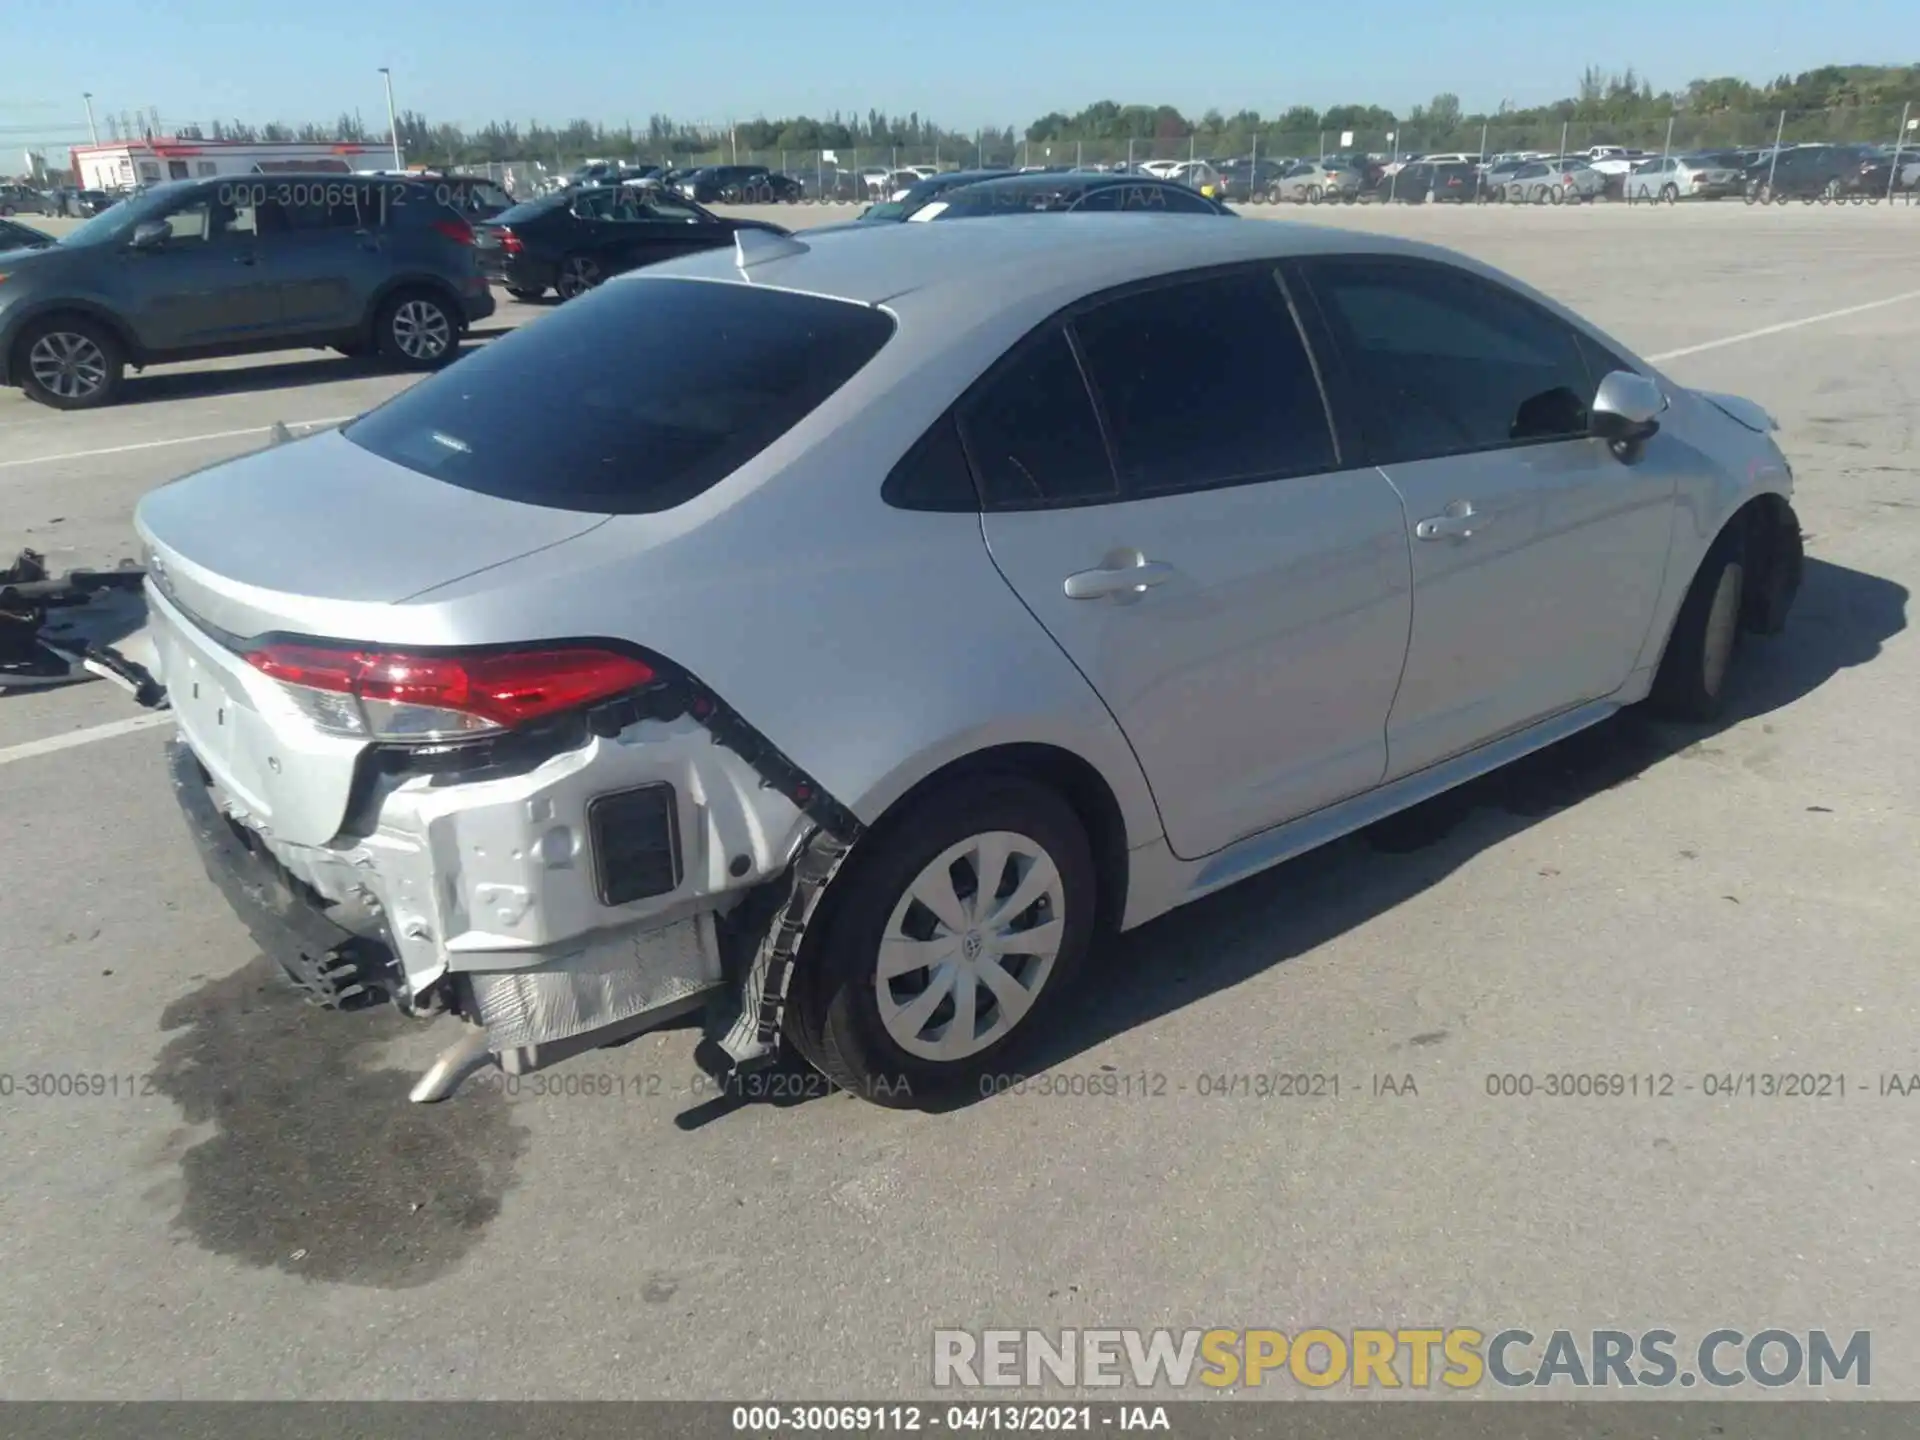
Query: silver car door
x: 1237, y: 593
x: 1538, y: 555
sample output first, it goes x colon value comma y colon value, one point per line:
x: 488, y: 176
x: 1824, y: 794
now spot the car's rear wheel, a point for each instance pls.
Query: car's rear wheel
x: 1691, y: 681
x: 70, y: 362
x: 578, y: 274
x: 1313, y: 194
x: 946, y: 941
x: 1670, y: 192
x: 417, y: 330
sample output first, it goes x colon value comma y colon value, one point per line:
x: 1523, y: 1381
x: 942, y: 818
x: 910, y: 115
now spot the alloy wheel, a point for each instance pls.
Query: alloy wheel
x: 577, y: 275
x: 969, y: 946
x: 422, y: 330
x: 67, y: 365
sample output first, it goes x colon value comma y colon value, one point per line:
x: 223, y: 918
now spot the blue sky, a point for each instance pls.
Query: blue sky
x: 962, y: 62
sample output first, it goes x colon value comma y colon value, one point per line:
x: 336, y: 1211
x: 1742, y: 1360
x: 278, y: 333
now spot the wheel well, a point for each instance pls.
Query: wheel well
x: 1082, y: 786
x: 1774, y: 553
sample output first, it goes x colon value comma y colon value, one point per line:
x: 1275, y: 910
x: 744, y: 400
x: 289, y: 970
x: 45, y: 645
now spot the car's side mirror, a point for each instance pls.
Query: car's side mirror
x: 1626, y: 408
x: 150, y: 235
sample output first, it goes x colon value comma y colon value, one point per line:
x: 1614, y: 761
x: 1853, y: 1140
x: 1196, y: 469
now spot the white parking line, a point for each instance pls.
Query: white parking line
x: 1784, y: 325
x: 73, y: 739
x: 176, y: 440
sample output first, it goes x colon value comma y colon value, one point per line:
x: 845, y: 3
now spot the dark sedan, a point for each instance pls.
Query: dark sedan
x: 571, y: 241
x: 15, y: 236
x: 925, y: 192
x: 1072, y: 190
x: 739, y: 184
x: 1430, y: 182
x: 1827, y: 172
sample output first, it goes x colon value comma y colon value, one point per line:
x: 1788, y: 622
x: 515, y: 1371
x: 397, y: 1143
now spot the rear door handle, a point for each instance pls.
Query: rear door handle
x: 1121, y: 580
x: 1456, y: 522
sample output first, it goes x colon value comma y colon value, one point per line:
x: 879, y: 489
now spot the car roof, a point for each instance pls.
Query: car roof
x: 1020, y: 260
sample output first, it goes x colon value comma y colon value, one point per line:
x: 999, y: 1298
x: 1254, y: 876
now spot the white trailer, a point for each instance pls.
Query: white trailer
x: 121, y: 164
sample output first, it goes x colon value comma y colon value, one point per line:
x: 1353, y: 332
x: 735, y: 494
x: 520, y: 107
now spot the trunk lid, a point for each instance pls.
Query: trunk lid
x: 316, y: 538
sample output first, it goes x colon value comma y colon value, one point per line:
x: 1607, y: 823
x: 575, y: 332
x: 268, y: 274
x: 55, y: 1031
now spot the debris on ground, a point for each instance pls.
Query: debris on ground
x: 95, y: 607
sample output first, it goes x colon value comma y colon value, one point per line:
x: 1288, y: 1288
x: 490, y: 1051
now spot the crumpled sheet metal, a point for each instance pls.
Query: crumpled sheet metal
x: 635, y: 976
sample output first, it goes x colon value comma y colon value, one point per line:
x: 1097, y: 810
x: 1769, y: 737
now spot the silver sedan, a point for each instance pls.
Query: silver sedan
x: 1311, y: 181
x: 1557, y: 181
x: 842, y: 634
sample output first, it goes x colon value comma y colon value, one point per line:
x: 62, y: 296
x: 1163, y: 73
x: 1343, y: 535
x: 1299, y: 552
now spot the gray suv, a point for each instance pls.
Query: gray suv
x: 359, y: 264
x: 23, y: 200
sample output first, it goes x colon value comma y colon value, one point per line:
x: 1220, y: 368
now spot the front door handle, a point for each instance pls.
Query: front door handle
x: 1456, y: 522
x: 1123, y: 579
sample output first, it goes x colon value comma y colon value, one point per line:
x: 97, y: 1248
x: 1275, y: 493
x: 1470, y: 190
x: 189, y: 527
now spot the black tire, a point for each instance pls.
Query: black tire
x: 525, y: 292
x: 834, y: 1015
x: 417, y: 330
x: 578, y: 274
x: 85, y: 379
x: 1691, y: 682
x: 1557, y: 194
x: 1670, y: 193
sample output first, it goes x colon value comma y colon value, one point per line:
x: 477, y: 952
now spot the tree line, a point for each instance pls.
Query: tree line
x: 1617, y: 107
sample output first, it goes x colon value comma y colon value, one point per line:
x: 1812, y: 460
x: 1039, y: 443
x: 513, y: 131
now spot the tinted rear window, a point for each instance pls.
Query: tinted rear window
x: 630, y: 400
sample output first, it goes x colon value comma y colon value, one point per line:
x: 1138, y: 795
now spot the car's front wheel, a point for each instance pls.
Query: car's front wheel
x: 417, y: 330
x: 70, y: 363
x: 1691, y: 681
x: 946, y: 941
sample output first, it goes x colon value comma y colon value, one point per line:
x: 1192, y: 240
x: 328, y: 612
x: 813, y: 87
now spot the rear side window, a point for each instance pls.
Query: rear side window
x: 1031, y: 431
x: 630, y: 400
x: 1205, y: 383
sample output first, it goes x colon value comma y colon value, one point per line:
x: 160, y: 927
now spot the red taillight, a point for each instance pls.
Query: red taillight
x: 456, y: 230
x: 509, y: 241
x: 389, y: 695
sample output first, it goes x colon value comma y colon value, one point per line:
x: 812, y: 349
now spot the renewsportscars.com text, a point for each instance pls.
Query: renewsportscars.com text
x: 1453, y: 1358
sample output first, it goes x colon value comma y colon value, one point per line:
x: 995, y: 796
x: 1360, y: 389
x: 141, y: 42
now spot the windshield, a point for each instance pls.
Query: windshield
x: 532, y: 209
x: 122, y: 214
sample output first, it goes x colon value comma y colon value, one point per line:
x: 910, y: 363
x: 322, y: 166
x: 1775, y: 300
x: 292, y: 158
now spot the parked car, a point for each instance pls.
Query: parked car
x: 737, y: 185
x: 1244, y: 180
x: 15, y: 236
x: 1541, y: 181
x: 233, y: 266
x: 1430, y: 182
x: 85, y: 204
x: 901, y: 206
x: 1197, y: 175
x: 1810, y: 172
x: 1684, y: 177
x: 572, y: 241
x: 1311, y: 181
x: 580, y: 752
x: 1080, y: 190
x: 23, y: 200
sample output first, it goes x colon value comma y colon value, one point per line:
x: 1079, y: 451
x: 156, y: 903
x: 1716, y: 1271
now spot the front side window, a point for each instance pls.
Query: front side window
x: 1445, y: 363
x: 632, y: 400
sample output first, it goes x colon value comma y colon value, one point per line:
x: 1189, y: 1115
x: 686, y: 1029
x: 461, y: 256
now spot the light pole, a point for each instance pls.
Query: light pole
x: 393, y: 127
x: 92, y: 129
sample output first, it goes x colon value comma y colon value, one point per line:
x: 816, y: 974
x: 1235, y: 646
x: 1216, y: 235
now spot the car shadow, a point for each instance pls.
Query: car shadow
x: 325, y: 367
x: 1841, y: 619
